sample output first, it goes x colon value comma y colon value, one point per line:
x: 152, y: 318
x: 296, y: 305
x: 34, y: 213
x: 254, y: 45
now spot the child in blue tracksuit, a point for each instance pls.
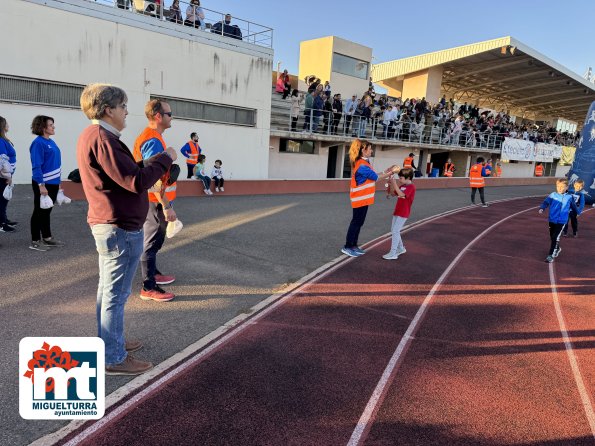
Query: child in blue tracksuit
x: 560, y: 204
x: 576, y: 190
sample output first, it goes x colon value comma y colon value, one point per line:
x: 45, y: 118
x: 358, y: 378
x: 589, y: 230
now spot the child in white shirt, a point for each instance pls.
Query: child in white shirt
x: 217, y: 176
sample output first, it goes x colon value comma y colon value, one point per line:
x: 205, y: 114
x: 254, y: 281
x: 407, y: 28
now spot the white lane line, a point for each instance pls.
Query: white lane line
x: 363, y: 425
x: 578, y: 377
x: 223, y: 334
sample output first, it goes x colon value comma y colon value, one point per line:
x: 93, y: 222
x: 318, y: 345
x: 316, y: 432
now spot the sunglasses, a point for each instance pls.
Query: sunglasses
x: 166, y: 113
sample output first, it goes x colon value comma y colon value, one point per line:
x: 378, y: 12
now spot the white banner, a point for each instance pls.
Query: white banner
x: 521, y: 150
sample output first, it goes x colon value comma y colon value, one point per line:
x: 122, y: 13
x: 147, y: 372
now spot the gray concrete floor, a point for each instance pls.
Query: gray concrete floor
x: 232, y: 253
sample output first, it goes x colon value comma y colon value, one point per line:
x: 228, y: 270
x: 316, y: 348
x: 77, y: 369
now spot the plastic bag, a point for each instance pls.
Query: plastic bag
x: 62, y: 199
x: 173, y: 227
x: 45, y: 202
x: 7, y: 194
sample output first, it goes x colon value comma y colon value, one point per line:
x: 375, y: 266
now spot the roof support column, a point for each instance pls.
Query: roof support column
x: 425, y: 83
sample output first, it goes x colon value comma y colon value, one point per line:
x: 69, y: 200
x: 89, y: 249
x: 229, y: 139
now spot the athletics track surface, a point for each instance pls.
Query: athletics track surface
x: 456, y: 342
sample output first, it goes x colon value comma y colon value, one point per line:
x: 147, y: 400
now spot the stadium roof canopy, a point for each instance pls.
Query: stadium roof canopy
x: 501, y: 74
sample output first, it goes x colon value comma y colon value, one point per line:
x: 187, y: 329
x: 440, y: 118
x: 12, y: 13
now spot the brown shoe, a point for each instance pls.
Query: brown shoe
x: 133, y: 345
x: 129, y: 366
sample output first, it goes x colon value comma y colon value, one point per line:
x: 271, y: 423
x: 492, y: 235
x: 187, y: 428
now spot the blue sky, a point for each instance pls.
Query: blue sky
x: 563, y: 31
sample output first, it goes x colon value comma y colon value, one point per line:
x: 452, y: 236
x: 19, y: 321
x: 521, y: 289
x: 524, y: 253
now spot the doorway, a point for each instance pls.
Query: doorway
x: 331, y: 167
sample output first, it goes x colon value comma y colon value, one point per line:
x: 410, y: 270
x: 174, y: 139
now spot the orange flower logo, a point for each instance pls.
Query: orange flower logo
x: 48, y: 357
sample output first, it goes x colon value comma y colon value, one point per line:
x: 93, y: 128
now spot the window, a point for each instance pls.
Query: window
x: 293, y: 146
x: 35, y: 91
x: 205, y: 111
x: 350, y: 66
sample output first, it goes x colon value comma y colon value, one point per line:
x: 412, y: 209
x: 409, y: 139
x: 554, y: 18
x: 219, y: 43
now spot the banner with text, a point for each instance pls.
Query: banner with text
x: 521, y: 150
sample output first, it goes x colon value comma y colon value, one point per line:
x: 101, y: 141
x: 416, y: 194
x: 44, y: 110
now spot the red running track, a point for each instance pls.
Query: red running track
x: 481, y: 356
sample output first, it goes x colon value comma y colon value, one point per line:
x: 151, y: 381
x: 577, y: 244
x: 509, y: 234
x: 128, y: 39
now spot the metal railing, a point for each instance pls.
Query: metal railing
x: 343, y: 125
x: 200, y: 18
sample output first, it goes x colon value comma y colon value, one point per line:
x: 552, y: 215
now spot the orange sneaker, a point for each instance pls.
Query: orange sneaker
x: 157, y: 294
x: 162, y: 279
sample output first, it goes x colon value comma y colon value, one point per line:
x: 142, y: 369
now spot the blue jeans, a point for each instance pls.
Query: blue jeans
x: 119, y: 253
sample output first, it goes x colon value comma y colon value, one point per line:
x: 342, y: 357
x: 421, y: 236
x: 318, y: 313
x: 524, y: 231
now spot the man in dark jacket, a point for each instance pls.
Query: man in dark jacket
x: 337, y: 112
x: 225, y: 28
x: 116, y: 190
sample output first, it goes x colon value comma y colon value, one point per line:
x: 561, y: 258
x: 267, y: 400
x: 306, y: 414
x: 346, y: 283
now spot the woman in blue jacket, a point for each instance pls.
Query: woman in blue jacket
x: 46, y: 164
x: 7, y: 149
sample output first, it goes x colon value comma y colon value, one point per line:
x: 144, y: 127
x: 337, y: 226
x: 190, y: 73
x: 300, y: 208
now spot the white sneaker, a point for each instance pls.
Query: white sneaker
x: 221, y: 189
x: 206, y: 191
x: 402, y: 251
x: 209, y: 192
x: 390, y: 256
x: 216, y: 189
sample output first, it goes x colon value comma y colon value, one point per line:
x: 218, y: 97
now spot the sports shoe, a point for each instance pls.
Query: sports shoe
x: 221, y: 189
x: 157, y: 294
x: 216, y: 189
x: 133, y: 345
x: 38, y: 246
x: 348, y: 251
x: 557, y: 252
x: 205, y: 191
x: 209, y: 192
x: 484, y: 205
x: 161, y: 279
x: 401, y: 251
x: 549, y: 259
x: 52, y: 242
x: 473, y: 203
x: 575, y: 235
x: 129, y: 366
x: 12, y: 223
x: 6, y: 228
x: 358, y: 251
x: 390, y: 256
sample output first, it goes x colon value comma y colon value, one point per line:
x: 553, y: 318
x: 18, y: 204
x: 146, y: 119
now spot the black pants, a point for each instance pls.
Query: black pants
x: 190, y: 170
x: 294, y: 121
x: 40, y: 220
x: 359, y: 217
x: 348, y: 119
x: 3, y: 201
x: 336, y: 119
x: 475, y: 189
x: 218, y: 181
x: 555, y: 233
x: 154, y: 235
x: 572, y: 220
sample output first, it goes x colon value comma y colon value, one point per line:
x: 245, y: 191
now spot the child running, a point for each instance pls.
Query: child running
x: 576, y: 190
x: 560, y: 204
x: 404, y: 189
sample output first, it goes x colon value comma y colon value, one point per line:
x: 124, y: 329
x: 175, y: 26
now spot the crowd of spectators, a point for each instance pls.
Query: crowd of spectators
x: 412, y: 119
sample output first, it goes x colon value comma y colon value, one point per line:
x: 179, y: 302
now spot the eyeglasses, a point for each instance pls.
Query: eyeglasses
x: 167, y: 113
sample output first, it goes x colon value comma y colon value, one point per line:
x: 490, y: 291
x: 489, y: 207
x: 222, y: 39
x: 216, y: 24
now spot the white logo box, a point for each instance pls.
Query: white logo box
x: 80, y: 360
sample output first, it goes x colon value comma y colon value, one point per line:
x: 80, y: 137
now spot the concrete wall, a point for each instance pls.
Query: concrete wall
x: 316, y: 58
x: 297, y: 166
x: 80, y: 42
x: 425, y: 83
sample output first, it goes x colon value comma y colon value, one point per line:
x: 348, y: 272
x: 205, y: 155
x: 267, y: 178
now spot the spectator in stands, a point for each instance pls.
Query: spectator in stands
x: 317, y: 108
x: 308, y: 110
x: 313, y: 85
x: 327, y: 89
x: 195, y: 15
x: 296, y: 102
x: 175, y: 14
x: 227, y: 29
x: 350, y: 107
x: 123, y: 4
x: 283, y: 84
x: 337, y: 112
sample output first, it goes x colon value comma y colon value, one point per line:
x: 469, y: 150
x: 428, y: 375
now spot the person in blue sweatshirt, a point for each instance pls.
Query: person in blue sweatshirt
x: 560, y: 204
x: 46, y: 166
x: 576, y: 190
x: 7, y: 149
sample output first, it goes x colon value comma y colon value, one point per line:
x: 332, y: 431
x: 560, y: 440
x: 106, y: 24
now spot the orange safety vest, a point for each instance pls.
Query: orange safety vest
x: 539, y: 170
x: 147, y: 134
x: 499, y: 170
x: 448, y: 169
x: 193, y: 155
x: 408, y: 162
x: 475, y: 178
x: 362, y: 195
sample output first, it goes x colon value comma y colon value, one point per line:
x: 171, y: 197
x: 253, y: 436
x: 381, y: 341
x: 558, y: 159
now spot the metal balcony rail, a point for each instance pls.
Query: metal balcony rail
x: 344, y: 125
x: 198, y: 17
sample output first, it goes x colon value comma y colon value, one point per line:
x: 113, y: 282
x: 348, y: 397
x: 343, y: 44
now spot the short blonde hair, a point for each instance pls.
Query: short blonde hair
x: 96, y: 98
x: 579, y: 181
x: 562, y: 181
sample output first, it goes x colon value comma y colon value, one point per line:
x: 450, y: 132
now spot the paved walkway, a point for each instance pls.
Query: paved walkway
x: 233, y: 253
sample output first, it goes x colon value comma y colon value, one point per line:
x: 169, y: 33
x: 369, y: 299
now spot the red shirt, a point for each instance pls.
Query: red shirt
x: 403, y: 207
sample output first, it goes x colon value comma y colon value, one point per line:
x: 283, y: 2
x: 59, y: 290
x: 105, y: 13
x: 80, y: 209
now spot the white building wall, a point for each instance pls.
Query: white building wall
x: 297, y: 166
x: 77, y: 41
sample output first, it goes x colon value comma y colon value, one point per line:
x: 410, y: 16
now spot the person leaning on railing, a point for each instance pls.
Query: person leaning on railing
x: 195, y: 15
x: 227, y: 29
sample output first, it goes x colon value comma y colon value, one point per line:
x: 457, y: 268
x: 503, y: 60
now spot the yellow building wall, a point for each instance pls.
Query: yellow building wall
x: 316, y: 57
